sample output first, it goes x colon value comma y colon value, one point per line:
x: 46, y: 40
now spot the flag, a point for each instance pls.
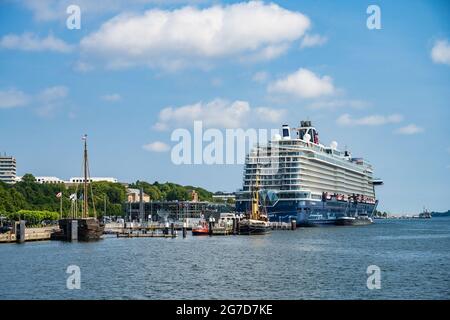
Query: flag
x: 73, y: 197
x: 59, y: 195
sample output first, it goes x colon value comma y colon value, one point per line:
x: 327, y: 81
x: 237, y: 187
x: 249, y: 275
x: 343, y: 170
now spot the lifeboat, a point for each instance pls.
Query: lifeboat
x: 201, y: 230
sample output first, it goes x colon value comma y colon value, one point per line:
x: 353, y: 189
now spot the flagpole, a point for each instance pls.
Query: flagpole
x: 60, y: 206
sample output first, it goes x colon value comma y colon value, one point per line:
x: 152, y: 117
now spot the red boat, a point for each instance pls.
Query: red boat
x: 201, y: 230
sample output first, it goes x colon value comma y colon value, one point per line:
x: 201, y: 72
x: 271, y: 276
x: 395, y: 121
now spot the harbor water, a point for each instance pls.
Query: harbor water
x: 308, y: 263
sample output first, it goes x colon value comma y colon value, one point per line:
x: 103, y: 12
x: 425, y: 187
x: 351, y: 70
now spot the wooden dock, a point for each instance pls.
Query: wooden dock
x: 31, y: 234
x: 145, y: 235
x: 282, y: 226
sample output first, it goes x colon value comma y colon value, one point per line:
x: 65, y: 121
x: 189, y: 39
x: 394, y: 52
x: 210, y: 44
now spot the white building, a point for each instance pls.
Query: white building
x: 224, y: 196
x: 52, y: 180
x: 93, y: 179
x: 7, y: 169
x: 43, y: 179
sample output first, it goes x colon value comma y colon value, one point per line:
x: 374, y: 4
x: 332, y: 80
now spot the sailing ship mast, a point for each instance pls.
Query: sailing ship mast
x: 86, y: 184
x: 85, y: 213
x: 255, y: 200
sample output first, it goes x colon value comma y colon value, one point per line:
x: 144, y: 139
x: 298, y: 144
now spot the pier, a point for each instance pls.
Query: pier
x: 283, y: 225
x: 129, y: 230
x: 145, y: 235
x: 27, y: 234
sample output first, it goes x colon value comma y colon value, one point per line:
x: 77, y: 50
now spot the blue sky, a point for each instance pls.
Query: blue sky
x: 383, y: 93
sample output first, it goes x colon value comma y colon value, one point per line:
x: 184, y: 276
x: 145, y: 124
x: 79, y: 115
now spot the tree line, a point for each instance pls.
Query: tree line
x: 42, y: 199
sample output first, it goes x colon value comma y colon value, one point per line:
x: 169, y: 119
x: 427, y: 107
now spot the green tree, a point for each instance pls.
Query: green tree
x: 28, y: 178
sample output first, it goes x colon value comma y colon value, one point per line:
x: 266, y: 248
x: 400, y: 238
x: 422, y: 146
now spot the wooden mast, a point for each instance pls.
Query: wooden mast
x: 85, y: 189
x: 255, y: 199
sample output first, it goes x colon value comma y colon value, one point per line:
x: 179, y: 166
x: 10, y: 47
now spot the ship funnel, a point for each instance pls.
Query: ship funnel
x: 333, y: 145
x: 286, y: 132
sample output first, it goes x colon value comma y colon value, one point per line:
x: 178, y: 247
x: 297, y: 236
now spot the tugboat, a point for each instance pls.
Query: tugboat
x: 89, y: 228
x: 255, y: 222
x: 201, y: 229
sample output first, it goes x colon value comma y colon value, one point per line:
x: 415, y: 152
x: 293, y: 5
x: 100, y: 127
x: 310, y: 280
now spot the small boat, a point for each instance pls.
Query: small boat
x: 225, y: 225
x: 255, y: 222
x: 252, y: 226
x: 201, y: 230
x: 361, y: 220
x: 316, y: 219
x: 425, y: 214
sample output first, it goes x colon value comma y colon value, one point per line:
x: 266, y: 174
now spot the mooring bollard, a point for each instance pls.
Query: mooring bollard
x: 210, y: 226
x: 73, y: 233
x: 293, y: 225
x: 184, y: 229
x: 20, y: 232
x: 166, y: 228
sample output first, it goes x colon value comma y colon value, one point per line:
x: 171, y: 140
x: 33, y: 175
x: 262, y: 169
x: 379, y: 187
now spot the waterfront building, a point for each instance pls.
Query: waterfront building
x: 134, y: 195
x: 71, y: 182
x: 224, y: 196
x: 8, y: 169
x: 93, y: 179
x: 177, y: 211
x: 48, y: 180
x: 194, y: 196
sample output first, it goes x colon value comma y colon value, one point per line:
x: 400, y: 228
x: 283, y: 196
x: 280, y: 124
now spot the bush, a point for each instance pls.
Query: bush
x: 34, y: 216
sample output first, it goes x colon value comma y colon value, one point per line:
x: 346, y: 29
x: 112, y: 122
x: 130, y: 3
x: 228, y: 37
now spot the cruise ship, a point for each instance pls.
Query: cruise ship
x: 304, y: 180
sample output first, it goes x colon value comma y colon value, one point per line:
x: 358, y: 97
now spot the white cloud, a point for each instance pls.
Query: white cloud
x: 313, y: 40
x: 337, y: 104
x: 303, y: 84
x: 31, y: 42
x: 260, y: 76
x: 267, y: 53
x: 409, y: 129
x: 12, y: 98
x: 188, y: 36
x: 83, y: 67
x: 216, y: 82
x: 270, y: 115
x: 217, y: 113
x: 156, y: 146
x: 48, y: 10
x: 113, y: 97
x: 46, y: 101
x: 441, y: 52
x: 53, y: 93
x: 372, y: 120
x: 51, y: 99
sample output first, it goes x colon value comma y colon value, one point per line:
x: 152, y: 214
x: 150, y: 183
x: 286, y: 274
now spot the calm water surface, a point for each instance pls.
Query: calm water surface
x: 311, y: 263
